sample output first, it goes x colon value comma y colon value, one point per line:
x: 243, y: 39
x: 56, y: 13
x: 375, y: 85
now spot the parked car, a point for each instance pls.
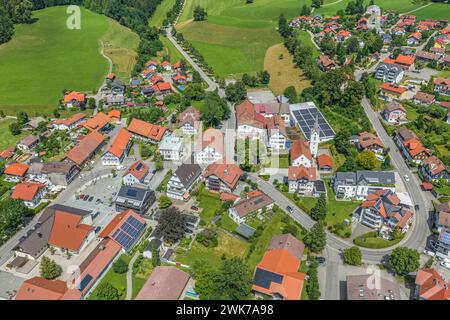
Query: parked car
x: 429, y: 253
x: 97, y: 230
x: 194, y: 208
x: 406, y: 178
x: 445, y: 264
x: 289, y: 209
x: 322, y: 261
x: 91, y: 198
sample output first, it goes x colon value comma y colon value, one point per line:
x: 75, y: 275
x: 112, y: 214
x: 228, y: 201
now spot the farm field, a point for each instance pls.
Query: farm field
x: 6, y: 138
x: 236, y: 36
x: 45, y: 57
x: 160, y: 14
x: 435, y: 11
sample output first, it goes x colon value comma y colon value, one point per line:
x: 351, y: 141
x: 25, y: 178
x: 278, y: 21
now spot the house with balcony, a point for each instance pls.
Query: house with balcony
x: 210, y: 147
x: 301, y: 180
x: 136, y: 198
x: 442, y: 86
x: 183, y: 180
x: 433, y: 168
x: 172, y: 148
x: 30, y: 193
x: 137, y: 173
x: 442, y: 217
x: 442, y: 247
x: 359, y: 184
x: 410, y: 145
x: 60, y: 173
x: 394, y: 113
x: 256, y: 202
x: 118, y: 150
x: 369, y: 141
x: 222, y: 177
x: 276, y: 133
x: 187, y: 120
x: 388, y: 72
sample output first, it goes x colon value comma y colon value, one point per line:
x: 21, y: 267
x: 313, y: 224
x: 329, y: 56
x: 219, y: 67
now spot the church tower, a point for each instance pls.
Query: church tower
x: 314, y: 139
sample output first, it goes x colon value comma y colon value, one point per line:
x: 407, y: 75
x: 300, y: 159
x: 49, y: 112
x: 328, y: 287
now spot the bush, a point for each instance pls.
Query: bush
x: 289, y: 228
x: 352, y: 256
x: 107, y: 291
x: 120, y: 266
x: 49, y: 269
x: 208, y: 238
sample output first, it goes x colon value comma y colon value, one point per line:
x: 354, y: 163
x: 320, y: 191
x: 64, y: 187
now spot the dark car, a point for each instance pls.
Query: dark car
x: 194, y: 208
x: 91, y: 198
x: 97, y: 230
x: 322, y: 261
x: 416, y: 207
x: 289, y: 209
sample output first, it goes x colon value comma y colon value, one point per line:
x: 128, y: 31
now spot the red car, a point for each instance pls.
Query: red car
x: 194, y: 208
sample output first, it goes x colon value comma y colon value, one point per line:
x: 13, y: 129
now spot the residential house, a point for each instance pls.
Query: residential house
x: 362, y: 287
x: 162, y: 88
x: 146, y: 131
x: 423, y: 98
x: 256, y: 202
x: 172, y: 148
x: 325, y: 163
x: 272, y: 109
x: 369, y: 141
x: 183, y: 180
x: 34, y: 123
x: 414, y: 39
x: 210, y: 147
x: 300, y: 154
x: 430, y: 285
x: 406, y: 62
x: 166, y: 66
x: 388, y: 72
x: 442, y: 217
x: 75, y: 99
x: 343, y: 35
x: 301, y: 180
x: 7, y: 153
x: 136, y: 198
x: 276, y: 275
x: 27, y: 143
x: 187, y: 120
x: 442, y: 247
x: 433, y: 168
x: 179, y: 79
x: 16, y: 171
x: 446, y: 61
x: 394, y: 113
x: 391, y: 92
x: 276, y: 133
x: 30, y: 193
x: 222, y: 177
x: 60, y: 173
x: 126, y: 228
x: 100, y: 123
x: 326, y: 64
x: 137, y: 173
x: 38, y: 288
x: 250, y: 123
x: 114, y: 115
x: 118, y: 150
x: 359, y: 184
x: 442, y: 86
x: 165, y: 283
x: 382, y: 210
x: 427, y: 56
x: 410, y: 145
x: 152, y: 65
x: 69, y: 123
x: 86, y: 148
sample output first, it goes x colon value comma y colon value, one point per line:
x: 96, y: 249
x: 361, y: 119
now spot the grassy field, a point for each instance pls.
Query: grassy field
x: 7, y: 139
x: 45, y: 57
x: 229, y: 246
x: 236, y: 36
x: 160, y: 14
x: 210, y: 204
x: 169, y: 49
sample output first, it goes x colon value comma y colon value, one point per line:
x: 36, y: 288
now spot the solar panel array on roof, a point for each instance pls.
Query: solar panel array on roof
x: 85, y: 281
x: 306, y: 118
x: 445, y: 238
x: 263, y: 278
x: 131, y: 193
x: 259, y: 200
x: 128, y: 232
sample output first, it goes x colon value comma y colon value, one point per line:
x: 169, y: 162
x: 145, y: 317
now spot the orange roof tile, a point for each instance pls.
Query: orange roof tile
x: 228, y: 173
x: 301, y: 172
x: 138, y: 169
x: 324, y: 160
x: 392, y: 88
x: 298, y: 148
x: 77, y: 96
x: 71, y: 120
x: 97, y: 122
x: 146, y: 129
x: 120, y: 144
x: 114, y: 114
x: 85, y: 148
x: 67, y: 232
x: 26, y: 191
x: 17, y: 169
x: 38, y: 288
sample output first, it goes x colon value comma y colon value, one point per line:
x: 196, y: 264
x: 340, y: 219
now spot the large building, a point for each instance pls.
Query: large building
x: 69, y: 123
x: 430, y: 285
x: 172, y: 148
x: 410, y: 146
x: 183, y: 180
x: 222, y: 177
x: 118, y: 150
x: 86, y: 148
x: 300, y: 154
x: 165, y: 283
x: 388, y: 72
x: 210, y: 147
x: 136, y: 198
x: 187, y: 121
x: 370, y: 287
x: 60, y: 173
x: 350, y: 185
x: 256, y: 202
x: 137, y: 173
x: 146, y: 131
x: 250, y: 124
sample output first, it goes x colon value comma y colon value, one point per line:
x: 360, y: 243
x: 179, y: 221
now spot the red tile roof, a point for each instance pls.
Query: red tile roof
x: 114, y: 114
x: 246, y: 114
x: 138, y: 173
x: 26, y: 191
x: 38, y: 288
x: 71, y: 120
x: 442, y: 81
x: 435, y: 165
x: 324, y: 160
x: 392, y: 88
x: 298, y: 148
x: 120, y: 144
x: 67, y: 231
x: 301, y: 172
x: 431, y: 285
x: 77, y: 96
x: 85, y: 148
x: 190, y: 115
x: 146, y: 129
x: 367, y: 140
x: 96, y: 123
x: 17, y: 169
x: 227, y: 173
x: 163, y: 86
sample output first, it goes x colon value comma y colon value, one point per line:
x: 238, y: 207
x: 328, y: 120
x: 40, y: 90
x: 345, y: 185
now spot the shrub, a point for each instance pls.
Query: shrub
x: 120, y: 266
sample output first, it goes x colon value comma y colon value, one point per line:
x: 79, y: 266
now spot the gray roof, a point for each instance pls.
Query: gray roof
x: 49, y: 211
x: 29, y: 140
x: 10, y: 284
x: 358, y: 289
x: 133, y: 193
x: 348, y: 178
x: 35, y: 122
x: 36, y: 240
x: 375, y: 177
x: 57, y: 167
x: 287, y: 242
x: 188, y: 173
x: 245, y: 231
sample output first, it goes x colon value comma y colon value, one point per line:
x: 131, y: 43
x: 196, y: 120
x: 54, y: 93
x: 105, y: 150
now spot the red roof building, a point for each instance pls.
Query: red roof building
x: 165, y: 283
x: 300, y: 154
x: 97, y: 122
x: 136, y: 173
x: 38, y: 288
x: 146, y: 131
x: 222, y: 177
x: 119, y: 148
x: 431, y: 286
x: 325, y: 162
x: 86, y: 148
x: 74, y: 97
x: 17, y: 169
x: 27, y: 191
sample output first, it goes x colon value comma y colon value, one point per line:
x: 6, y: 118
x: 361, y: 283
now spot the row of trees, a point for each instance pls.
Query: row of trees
x: 11, y: 12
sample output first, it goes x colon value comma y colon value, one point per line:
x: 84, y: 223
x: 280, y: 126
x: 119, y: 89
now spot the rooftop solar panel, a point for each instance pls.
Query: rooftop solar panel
x: 131, y: 193
x: 85, y: 281
x: 306, y: 119
x: 263, y: 278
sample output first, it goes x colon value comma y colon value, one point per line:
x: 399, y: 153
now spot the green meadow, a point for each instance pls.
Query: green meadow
x: 45, y: 57
x: 235, y: 38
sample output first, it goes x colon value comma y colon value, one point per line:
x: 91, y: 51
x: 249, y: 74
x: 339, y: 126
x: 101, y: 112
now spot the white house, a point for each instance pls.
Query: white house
x: 30, y: 193
x: 187, y: 120
x: 394, y: 113
x: 209, y: 147
x: 276, y: 133
x: 118, y: 150
x: 172, y: 148
x: 301, y: 180
x: 182, y: 181
x: 300, y: 154
x: 69, y: 123
x: 137, y: 173
x: 250, y: 124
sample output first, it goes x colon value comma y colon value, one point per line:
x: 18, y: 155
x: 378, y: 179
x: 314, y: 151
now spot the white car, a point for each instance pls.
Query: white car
x: 406, y: 178
x: 445, y: 264
x: 429, y: 253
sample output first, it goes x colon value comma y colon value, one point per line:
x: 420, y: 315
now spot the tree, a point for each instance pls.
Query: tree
x: 404, y: 260
x: 283, y: 27
x: 164, y: 202
x: 12, y: 213
x: 56, y: 113
x: 316, y: 238
x: 91, y: 103
x: 120, y: 266
x: 156, y: 261
x: 291, y: 94
x: 22, y: 117
x: 214, y: 110
x: 367, y: 159
x: 15, y: 129
x: 264, y: 77
x: 49, y: 269
x: 106, y: 291
x: 171, y: 225
x: 290, y: 228
x: 306, y: 11
x: 312, y: 285
x: 236, y: 92
x: 316, y: 3
x: 352, y: 256
x: 199, y: 14
x: 233, y: 281
x: 319, y: 211
x: 208, y: 237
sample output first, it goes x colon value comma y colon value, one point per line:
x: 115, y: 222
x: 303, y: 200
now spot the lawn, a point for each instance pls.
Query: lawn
x: 46, y: 57
x: 236, y: 36
x: 119, y: 281
x: 304, y: 38
x: 7, y: 139
x: 169, y: 49
x: 227, y: 223
x: 371, y: 240
x: 210, y: 204
x: 229, y: 246
x: 160, y: 14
